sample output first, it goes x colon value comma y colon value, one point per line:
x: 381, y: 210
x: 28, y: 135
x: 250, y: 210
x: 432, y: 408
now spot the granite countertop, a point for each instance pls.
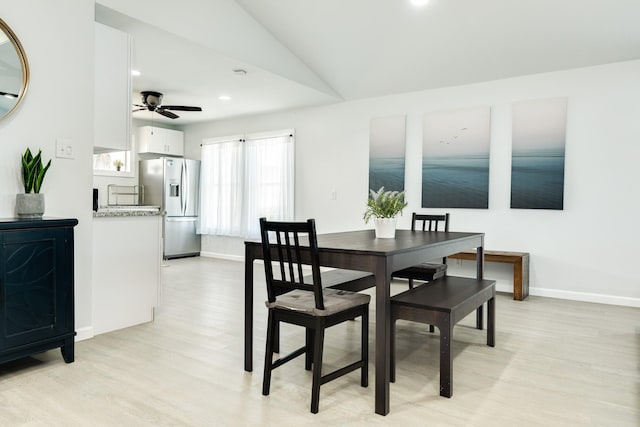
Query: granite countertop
x: 111, y: 211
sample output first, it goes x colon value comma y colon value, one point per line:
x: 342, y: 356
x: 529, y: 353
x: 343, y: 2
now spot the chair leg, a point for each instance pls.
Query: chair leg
x: 446, y: 359
x: 268, y: 353
x: 392, y: 356
x: 410, y: 283
x: 431, y: 328
x: 276, y: 338
x: 308, y: 357
x: 317, y: 364
x: 364, y: 375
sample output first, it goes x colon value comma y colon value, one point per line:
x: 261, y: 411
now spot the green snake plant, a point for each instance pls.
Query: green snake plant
x: 33, y: 171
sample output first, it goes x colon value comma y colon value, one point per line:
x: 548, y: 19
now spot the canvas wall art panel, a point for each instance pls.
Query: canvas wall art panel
x: 455, y: 159
x: 387, y: 136
x: 538, y: 149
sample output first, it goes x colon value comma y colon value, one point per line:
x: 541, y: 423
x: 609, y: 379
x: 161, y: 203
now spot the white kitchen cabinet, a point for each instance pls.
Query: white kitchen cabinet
x: 112, y: 100
x: 127, y: 252
x: 153, y: 139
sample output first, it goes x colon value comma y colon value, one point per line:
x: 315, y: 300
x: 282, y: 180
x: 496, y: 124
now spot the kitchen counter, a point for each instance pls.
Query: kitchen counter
x: 111, y: 211
x: 127, y: 254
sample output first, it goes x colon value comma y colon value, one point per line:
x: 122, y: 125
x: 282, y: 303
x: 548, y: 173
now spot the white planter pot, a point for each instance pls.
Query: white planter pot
x: 385, y: 228
x: 30, y: 205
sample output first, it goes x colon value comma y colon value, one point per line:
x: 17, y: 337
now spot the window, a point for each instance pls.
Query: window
x: 244, y: 178
x: 116, y: 163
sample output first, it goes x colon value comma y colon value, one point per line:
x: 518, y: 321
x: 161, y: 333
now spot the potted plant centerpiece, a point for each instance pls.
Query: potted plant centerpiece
x: 384, y: 207
x: 30, y: 204
x: 118, y: 164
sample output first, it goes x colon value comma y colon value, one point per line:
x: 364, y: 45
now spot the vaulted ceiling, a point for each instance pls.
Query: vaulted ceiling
x: 300, y: 53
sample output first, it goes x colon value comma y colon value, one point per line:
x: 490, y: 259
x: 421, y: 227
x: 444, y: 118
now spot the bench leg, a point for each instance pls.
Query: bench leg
x: 521, y: 278
x: 479, y: 320
x: 491, y: 322
x: 446, y: 358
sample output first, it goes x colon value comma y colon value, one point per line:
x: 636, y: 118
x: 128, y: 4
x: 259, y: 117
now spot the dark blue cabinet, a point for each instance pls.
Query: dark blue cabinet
x: 36, y: 287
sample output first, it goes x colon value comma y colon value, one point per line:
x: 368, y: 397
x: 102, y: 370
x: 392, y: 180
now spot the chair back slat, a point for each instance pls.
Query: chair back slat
x: 292, y: 256
x: 429, y: 222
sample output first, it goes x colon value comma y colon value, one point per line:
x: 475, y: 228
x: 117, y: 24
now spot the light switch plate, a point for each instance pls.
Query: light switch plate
x: 64, y: 148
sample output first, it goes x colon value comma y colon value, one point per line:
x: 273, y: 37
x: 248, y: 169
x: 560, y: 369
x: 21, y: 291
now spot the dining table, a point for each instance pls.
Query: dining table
x: 361, y: 250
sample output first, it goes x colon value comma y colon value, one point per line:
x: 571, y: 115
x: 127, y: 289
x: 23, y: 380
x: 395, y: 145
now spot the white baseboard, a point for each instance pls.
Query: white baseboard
x: 508, y: 288
x: 84, y: 333
x: 223, y: 256
x: 586, y: 297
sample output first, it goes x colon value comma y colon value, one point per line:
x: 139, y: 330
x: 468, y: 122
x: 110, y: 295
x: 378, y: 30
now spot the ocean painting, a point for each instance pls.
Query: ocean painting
x: 387, y: 153
x: 455, y: 159
x: 537, y: 164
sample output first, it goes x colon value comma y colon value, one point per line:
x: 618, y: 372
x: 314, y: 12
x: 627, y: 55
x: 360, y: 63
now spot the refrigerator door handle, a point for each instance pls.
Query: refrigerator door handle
x: 185, y: 188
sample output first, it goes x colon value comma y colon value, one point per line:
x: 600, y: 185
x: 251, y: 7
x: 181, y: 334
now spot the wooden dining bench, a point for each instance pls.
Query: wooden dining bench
x: 443, y: 303
x: 520, y: 261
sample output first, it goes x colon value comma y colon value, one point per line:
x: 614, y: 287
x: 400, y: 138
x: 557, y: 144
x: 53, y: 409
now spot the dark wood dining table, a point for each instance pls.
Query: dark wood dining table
x: 361, y: 250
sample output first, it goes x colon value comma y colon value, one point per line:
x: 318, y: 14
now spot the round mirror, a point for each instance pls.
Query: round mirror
x: 14, y: 71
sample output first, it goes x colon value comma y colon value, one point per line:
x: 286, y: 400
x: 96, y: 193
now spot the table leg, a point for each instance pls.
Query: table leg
x: 479, y: 276
x: 383, y: 335
x: 248, y: 310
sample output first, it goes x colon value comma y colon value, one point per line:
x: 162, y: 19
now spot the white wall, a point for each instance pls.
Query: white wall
x: 58, y: 40
x: 587, y: 251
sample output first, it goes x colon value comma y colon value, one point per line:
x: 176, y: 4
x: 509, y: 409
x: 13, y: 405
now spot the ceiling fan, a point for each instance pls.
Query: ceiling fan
x: 152, y: 101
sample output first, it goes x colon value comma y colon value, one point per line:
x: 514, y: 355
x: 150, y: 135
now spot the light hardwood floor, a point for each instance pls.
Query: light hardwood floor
x: 556, y: 363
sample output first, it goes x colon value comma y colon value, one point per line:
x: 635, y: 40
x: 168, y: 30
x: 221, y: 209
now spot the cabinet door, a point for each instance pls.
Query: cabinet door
x: 174, y: 142
x: 36, y: 286
x: 112, y: 100
x: 161, y: 141
x: 151, y: 140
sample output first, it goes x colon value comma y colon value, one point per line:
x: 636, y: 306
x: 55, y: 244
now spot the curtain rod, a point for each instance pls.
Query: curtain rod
x: 250, y: 139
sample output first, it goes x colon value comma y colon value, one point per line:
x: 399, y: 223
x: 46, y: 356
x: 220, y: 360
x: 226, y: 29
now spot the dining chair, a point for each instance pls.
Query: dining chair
x: 425, y: 271
x: 300, y: 299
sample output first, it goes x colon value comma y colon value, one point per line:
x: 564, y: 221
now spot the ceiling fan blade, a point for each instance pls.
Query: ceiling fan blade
x: 168, y: 114
x: 139, y: 105
x: 180, y: 108
x: 138, y: 109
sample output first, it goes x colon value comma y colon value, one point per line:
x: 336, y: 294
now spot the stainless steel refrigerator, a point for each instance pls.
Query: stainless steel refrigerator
x: 172, y: 184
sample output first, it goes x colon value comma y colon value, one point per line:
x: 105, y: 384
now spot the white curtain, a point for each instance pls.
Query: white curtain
x: 243, y: 180
x: 268, y: 181
x: 221, y: 184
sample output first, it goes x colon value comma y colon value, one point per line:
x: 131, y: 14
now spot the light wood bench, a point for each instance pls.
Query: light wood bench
x: 520, y: 261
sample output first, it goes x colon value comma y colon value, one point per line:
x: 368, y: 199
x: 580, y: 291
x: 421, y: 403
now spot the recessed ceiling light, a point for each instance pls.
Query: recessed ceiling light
x: 419, y: 3
x: 135, y: 72
x: 224, y: 97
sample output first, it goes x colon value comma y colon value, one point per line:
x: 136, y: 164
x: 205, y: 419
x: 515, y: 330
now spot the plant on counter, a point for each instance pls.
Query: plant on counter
x: 384, y: 204
x: 118, y: 164
x: 33, y: 171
